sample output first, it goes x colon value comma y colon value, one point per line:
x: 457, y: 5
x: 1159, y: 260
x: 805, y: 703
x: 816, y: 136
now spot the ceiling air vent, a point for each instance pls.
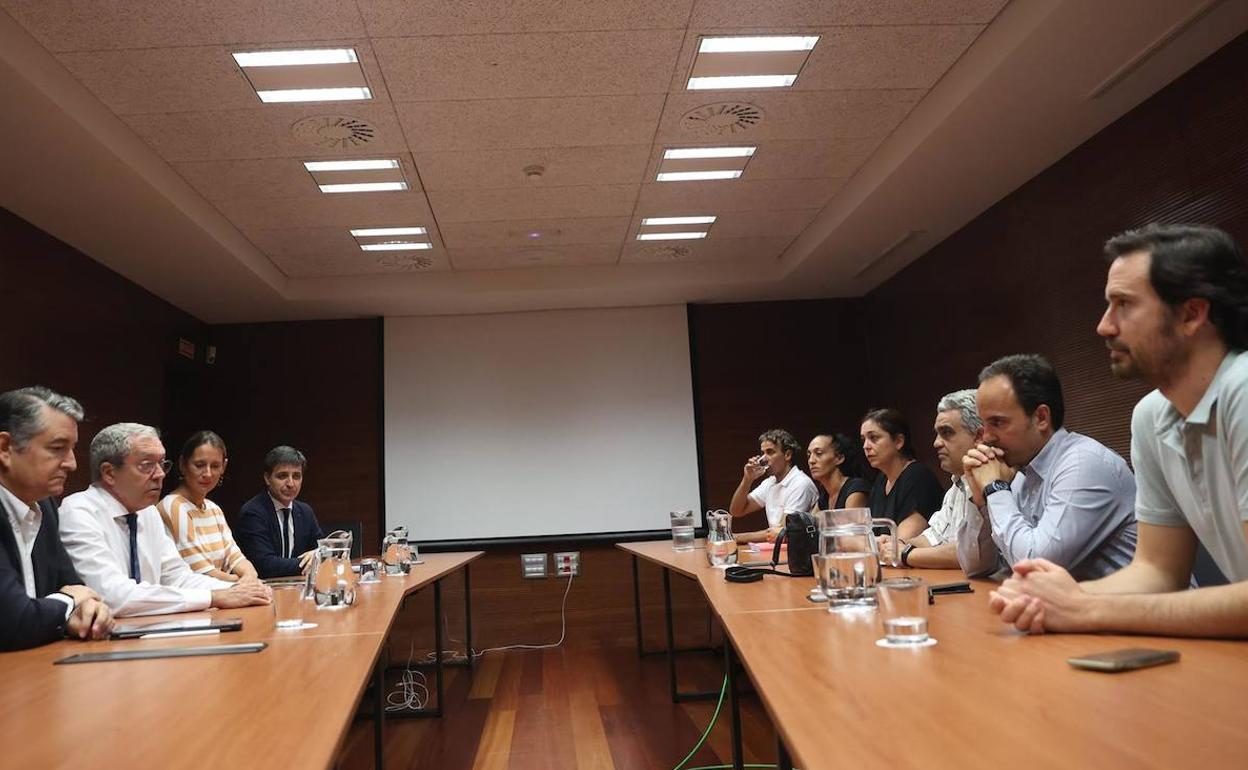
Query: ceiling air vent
x: 721, y: 119
x: 333, y: 132
x: 405, y: 262
x: 666, y: 252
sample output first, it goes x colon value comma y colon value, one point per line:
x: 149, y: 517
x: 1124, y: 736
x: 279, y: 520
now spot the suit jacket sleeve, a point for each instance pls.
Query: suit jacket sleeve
x: 26, y: 622
x: 61, y: 567
x: 254, y: 537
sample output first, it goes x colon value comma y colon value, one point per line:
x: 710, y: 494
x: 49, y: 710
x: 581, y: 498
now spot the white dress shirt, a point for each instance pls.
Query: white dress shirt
x: 943, y: 526
x: 95, y: 533
x: 288, y: 549
x: 26, y: 521
x: 795, y: 493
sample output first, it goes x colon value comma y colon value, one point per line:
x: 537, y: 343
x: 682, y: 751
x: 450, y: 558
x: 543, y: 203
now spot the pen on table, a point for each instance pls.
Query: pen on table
x: 169, y: 634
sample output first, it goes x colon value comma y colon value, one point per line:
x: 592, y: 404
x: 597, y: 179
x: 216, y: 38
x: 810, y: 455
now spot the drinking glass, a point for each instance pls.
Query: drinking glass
x: 288, y: 604
x: 903, y: 610
x: 682, y: 530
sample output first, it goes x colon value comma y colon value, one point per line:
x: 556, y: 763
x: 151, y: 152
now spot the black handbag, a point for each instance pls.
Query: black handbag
x: 802, y: 534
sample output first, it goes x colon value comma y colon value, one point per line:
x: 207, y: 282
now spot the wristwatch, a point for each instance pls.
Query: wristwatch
x: 995, y: 486
x: 905, y: 554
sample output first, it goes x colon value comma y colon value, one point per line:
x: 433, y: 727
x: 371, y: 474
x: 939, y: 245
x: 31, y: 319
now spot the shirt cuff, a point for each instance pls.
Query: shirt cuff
x: 68, y: 600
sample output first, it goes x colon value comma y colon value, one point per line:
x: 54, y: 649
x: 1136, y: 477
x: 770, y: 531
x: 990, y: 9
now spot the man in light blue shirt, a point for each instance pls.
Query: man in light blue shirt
x: 1177, y: 317
x: 1049, y: 493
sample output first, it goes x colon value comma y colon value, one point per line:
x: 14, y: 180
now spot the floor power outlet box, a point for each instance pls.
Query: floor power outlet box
x: 567, y: 563
x: 533, y: 565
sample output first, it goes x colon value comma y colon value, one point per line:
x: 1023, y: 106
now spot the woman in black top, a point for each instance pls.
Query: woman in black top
x: 905, y: 491
x: 837, y: 467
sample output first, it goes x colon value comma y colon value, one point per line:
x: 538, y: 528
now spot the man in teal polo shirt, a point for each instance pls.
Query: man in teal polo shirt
x: 1177, y: 318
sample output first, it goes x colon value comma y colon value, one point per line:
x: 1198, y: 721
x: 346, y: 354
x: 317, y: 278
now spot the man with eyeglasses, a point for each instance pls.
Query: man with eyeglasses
x: 120, y: 546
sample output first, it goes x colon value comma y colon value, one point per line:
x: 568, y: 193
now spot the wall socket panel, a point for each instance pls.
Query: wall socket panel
x: 567, y: 563
x: 533, y: 565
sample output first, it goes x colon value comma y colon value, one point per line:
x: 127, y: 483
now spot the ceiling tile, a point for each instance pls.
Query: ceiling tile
x: 538, y: 256
x: 526, y: 204
x: 724, y: 250
x: 405, y: 18
x: 820, y: 13
x: 361, y: 263
x: 188, y: 79
x: 799, y: 160
x: 884, y: 57
x: 660, y: 199
x: 81, y: 25
x: 264, y: 132
x: 382, y: 209
x: 562, y: 167
x: 308, y: 241
x: 550, y: 232
x: 509, y: 123
x: 258, y: 178
x: 822, y: 115
x: 518, y: 66
x: 758, y: 224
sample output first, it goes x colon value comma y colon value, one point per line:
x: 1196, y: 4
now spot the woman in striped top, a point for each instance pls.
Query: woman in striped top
x: 196, y: 523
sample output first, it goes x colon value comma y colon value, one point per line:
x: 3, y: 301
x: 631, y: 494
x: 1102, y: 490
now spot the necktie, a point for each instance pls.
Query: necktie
x: 132, y: 521
x: 286, y: 532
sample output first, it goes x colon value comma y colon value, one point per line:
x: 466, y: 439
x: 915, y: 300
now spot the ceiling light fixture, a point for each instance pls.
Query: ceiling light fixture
x: 363, y: 187
x: 297, y: 58
x: 772, y: 61
x: 384, y: 231
x: 350, y: 165
x: 689, y: 236
x: 694, y: 176
x: 657, y: 221
x: 750, y: 44
x: 396, y: 246
x: 695, y: 153
x: 287, y: 95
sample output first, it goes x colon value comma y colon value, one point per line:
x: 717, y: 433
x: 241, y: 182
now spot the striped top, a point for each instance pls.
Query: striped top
x: 203, y: 538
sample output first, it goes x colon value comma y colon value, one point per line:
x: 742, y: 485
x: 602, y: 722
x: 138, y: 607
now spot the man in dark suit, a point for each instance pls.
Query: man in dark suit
x: 277, y: 532
x: 42, y: 599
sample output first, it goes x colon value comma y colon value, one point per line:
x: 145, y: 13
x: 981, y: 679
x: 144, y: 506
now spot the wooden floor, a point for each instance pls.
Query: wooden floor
x: 580, y: 708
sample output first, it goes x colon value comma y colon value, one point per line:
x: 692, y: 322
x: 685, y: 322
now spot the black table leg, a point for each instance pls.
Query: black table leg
x: 677, y: 696
x: 734, y: 705
x: 641, y: 650
x: 379, y: 711
x: 468, y: 615
x: 783, y: 761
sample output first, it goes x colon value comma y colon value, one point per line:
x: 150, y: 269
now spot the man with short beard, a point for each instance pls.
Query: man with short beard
x: 1178, y: 319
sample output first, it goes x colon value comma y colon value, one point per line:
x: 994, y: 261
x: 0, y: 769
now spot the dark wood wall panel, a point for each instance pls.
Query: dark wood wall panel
x: 800, y: 366
x: 81, y: 329
x: 1027, y: 275
x: 314, y: 385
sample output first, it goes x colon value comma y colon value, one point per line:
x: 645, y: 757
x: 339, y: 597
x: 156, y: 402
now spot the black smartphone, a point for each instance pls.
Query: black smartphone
x: 1124, y: 660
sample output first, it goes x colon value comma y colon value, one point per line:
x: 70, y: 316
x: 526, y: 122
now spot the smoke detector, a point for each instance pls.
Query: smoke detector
x: 405, y: 262
x: 333, y: 132
x: 721, y: 119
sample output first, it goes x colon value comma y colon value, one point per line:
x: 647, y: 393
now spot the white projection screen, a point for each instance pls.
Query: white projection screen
x: 563, y: 422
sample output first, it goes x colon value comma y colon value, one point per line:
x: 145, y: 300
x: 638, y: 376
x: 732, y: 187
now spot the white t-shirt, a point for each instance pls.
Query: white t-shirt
x: 796, y: 493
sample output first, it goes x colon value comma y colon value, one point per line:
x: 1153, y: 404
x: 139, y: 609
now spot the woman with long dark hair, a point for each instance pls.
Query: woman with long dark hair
x: 906, y: 491
x: 839, y: 470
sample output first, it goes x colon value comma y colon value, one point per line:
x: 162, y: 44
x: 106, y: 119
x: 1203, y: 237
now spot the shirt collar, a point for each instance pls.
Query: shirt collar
x: 277, y: 505
x: 1039, y: 464
x: 1204, y: 407
x: 14, y: 505
x: 112, y: 506
x: 792, y: 475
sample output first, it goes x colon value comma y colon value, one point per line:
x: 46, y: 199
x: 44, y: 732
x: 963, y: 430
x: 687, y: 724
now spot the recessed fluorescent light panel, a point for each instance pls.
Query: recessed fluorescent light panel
x: 688, y: 164
x: 744, y: 62
x: 360, y: 175
x: 392, y: 238
x: 311, y: 75
x: 674, y: 228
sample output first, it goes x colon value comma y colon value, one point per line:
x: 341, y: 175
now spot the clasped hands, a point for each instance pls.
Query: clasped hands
x: 1041, y: 596
x: 983, y: 465
x: 91, y: 617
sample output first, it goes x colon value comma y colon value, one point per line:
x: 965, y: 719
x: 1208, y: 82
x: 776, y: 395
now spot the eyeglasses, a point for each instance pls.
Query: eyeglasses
x: 148, y: 467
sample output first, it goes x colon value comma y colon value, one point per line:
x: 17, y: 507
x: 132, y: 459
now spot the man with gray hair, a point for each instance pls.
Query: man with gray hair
x: 958, y: 428
x: 120, y: 545
x: 42, y: 599
x: 786, y: 489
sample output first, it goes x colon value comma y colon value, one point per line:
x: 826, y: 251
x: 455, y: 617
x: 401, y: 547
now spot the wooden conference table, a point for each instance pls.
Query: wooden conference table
x: 287, y: 706
x: 985, y: 696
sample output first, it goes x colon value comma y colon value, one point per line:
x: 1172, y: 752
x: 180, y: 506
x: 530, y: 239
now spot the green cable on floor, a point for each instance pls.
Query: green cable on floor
x: 714, y: 718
